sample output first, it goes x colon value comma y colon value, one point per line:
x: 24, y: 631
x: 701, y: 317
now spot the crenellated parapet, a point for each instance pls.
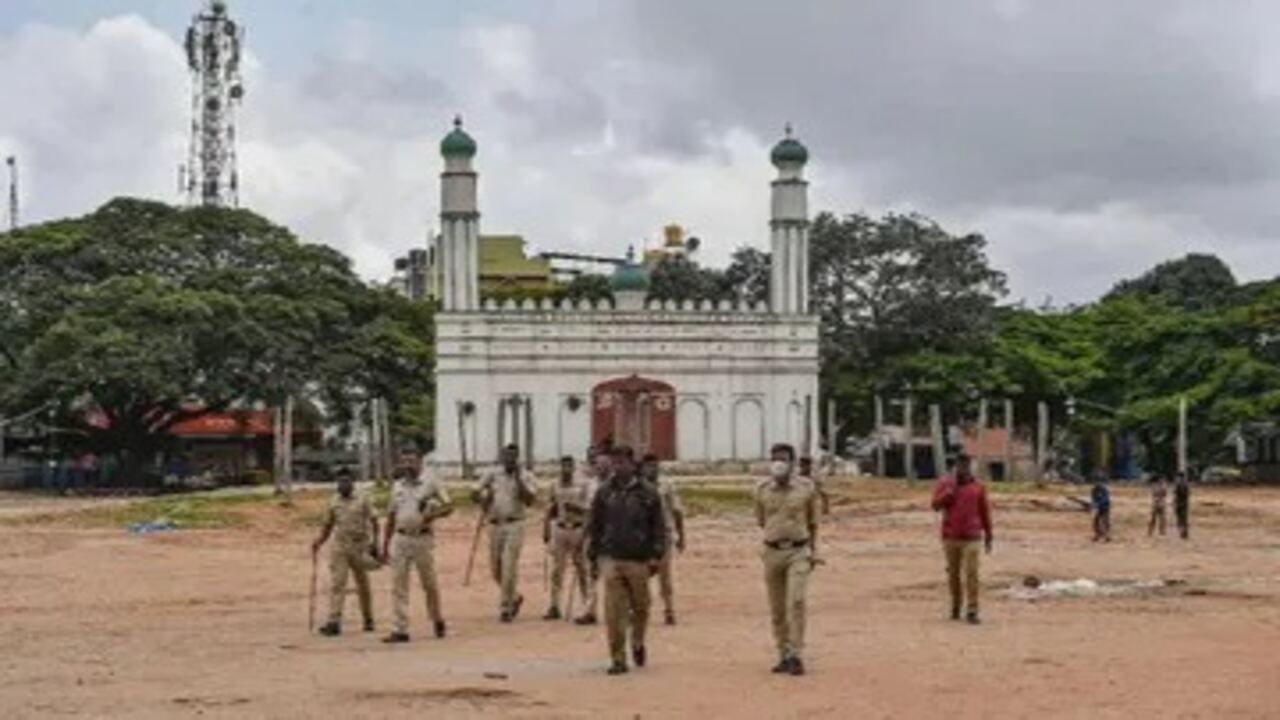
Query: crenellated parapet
x: 649, y: 308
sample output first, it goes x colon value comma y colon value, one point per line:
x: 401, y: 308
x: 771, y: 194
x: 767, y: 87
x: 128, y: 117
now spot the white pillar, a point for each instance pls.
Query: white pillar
x: 1008, y: 439
x: 939, y: 442
x: 980, y: 462
x: 909, y: 423
x: 1042, y: 438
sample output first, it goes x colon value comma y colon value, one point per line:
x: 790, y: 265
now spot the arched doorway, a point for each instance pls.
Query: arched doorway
x: 635, y: 411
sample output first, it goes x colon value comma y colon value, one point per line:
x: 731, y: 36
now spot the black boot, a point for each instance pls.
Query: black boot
x: 331, y: 629
x: 440, y: 628
x: 639, y: 655
x: 396, y: 637
x: 552, y: 614
x: 588, y: 619
x: 368, y: 625
x: 618, y: 668
x: 671, y: 617
x: 783, y: 666
x: 797, y: 666
x: 972, y: 618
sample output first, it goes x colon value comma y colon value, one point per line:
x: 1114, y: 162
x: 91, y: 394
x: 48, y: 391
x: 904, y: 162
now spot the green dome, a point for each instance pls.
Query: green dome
x: 458, y: 143
x: 789, y: 150
x: 629, y: 277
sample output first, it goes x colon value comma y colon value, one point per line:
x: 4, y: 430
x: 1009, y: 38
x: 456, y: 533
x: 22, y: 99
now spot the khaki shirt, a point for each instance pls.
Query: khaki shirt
x: 671, y: 505
x: 786, y: 513
x: 413, y: 503
x: 351, y: 518
x: 503, y: 493
x: 571, y: 501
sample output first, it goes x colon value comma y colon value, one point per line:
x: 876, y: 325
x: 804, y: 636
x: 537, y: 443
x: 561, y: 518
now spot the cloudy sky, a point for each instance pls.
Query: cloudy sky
x: 1086, y: 140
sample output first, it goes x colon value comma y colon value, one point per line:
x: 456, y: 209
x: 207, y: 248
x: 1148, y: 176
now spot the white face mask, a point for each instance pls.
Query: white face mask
x: 779, y: 469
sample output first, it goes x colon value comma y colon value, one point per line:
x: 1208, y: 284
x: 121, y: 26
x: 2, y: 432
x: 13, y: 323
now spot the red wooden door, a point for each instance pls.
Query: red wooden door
x: 635, y: 411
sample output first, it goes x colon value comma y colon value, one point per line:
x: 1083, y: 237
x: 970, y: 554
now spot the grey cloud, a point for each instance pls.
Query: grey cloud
x: 1058, y: 104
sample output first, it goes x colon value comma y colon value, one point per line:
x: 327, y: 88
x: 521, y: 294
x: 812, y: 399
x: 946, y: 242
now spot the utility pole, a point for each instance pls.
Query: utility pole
x: 980, y: 462
x: 1182, y: 434
x: 909, y: 421
x: 1042, y: 438
x: 939, y: 442
x: 879, y: 436
x: 831, y: 427
x: 12, y: 162
x: 1008, y: 439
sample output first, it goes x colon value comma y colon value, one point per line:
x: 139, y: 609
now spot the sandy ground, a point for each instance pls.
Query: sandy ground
x: 99, y: 623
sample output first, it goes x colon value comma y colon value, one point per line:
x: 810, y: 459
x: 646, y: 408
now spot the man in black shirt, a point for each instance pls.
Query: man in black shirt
x: 627, y: 538
x: 1182, y: 505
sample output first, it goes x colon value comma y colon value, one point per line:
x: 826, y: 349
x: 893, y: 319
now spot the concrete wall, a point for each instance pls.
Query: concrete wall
x: 740, y: 376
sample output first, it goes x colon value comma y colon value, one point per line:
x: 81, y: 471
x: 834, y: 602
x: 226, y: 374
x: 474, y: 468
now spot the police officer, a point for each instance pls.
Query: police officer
x: 351, y: 523
x: 563, y: 529
x: 504, y: 493
x: 787, y: 511
x: 416, y: 501
x: 627, y: 539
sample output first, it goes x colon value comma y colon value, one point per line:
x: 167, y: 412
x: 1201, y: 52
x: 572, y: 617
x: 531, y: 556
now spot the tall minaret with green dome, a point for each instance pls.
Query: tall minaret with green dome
x: 459, y: 250
x: 789, y: 226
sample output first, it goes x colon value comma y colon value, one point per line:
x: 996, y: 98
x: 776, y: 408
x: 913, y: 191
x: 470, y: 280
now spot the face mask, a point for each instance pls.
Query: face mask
x: 779, y: 469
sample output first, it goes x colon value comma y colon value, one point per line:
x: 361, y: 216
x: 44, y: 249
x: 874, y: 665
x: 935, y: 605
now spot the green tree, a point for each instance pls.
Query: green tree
x: 901, y: 302
x: 144, y: 315
x: 747, y: 276
x: 1194, y: 282
x: 678, y: 278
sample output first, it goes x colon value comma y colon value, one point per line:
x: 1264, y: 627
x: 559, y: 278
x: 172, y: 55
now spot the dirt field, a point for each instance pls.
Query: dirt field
x: 96, y: 622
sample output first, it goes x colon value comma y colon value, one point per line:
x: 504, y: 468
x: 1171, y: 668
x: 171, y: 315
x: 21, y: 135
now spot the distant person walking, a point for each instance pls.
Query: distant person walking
x: 563, y: 530
x: 966, y: 520
x: 1159, y: 503
x: 1182, y: 505
x: 673, y: 515
x: 1101, y: 499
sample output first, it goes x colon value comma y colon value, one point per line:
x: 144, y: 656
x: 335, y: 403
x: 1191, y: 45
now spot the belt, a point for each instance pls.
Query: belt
x: 785, y: 544
x: 504, y: 521
x: 423, y: 531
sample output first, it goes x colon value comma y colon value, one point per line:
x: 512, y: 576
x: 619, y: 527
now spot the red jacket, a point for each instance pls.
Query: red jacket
x: 965, y: 514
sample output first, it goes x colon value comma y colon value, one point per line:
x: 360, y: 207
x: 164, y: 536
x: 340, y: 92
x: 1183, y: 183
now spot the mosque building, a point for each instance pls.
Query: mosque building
x: 698, y: 382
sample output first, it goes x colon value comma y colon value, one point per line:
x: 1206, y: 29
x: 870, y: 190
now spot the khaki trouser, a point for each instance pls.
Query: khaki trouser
x: 566, y: 547
x: 354, y: 559
x: 505, y: 541
x: 1157, y: 520
x: 409, y: 552
x: 626, y: 597
x: 962, y: 556
x: 786, y: 575
x: 666, y: 583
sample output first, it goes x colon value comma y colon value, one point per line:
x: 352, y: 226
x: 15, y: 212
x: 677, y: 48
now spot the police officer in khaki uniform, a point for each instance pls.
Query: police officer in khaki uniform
x: 504, y: 494
x: 416, y: 501
x: 563, y: 528
x: 787, y: 511
x: 673, y: 514
x: 351, y: 523
x: 807, y: 470
x: 593, y: 475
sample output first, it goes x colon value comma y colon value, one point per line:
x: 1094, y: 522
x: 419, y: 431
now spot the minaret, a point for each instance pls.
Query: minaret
x: 459, y: 251
x: 789, y: 225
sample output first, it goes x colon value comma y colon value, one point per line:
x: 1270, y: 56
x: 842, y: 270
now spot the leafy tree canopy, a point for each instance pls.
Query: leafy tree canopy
x: 146, y: 315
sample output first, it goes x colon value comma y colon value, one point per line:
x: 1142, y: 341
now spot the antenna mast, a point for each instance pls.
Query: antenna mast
x: 12, y: 162
x: 213, y: 47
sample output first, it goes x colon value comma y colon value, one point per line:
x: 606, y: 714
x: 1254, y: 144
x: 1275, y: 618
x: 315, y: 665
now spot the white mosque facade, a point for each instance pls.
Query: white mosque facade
x: 697, y: 383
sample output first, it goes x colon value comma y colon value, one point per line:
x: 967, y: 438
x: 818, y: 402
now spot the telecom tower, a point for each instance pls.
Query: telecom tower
x: 213, y: 45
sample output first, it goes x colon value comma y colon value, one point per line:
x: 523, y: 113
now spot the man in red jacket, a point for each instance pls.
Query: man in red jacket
x: 966, y: 519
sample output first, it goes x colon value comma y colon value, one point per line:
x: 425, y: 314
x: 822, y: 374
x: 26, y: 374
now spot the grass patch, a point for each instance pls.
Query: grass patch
x: 186, y: 512
x: 716, y: 500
